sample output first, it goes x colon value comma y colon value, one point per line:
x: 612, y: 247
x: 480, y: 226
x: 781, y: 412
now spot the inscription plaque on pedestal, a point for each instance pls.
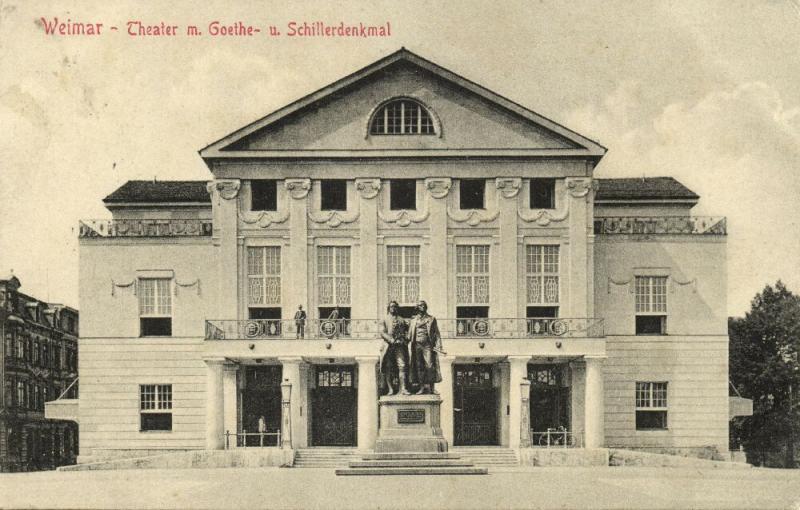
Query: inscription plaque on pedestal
x: 410, y: 423
x: 410, y: 416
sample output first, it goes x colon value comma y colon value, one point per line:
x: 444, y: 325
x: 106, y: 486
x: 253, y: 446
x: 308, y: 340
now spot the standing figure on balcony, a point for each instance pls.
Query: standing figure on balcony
x: 394, y: 358
x: 300, y: 322
x: 426, y: 344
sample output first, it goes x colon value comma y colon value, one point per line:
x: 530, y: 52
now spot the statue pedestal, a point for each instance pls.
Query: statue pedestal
x: 410, y: 423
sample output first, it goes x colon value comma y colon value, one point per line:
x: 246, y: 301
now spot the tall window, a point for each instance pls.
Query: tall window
x: 651, y: 405
x: 402, y: 194
x: 333, y: 195
x: 543, y: 194
x: 651, y: 305
x: 471, y: 193
x: 472, y: 274
x: 401, y: 117
x: 264, y: 275
x: 403, y: 274
x: 333, y: 275
x: 155, y: 407
x: 264, y: 195
x: 542, y: 279
x: 155, y: 307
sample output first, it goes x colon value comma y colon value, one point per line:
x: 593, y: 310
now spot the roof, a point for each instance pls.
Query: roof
x: 643, y: 188
x: 221, y: 148
x: 159, y: 192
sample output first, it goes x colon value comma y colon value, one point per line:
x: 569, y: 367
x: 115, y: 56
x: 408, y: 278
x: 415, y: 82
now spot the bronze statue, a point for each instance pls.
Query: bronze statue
x: 395, y: 356
x: 426, y: 344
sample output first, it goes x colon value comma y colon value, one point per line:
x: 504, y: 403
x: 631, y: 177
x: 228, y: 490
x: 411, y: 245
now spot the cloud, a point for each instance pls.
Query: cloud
x: 738, y: 148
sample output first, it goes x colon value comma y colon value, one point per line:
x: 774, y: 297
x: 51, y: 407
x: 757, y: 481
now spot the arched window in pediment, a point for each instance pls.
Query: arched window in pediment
x: 401, y: 117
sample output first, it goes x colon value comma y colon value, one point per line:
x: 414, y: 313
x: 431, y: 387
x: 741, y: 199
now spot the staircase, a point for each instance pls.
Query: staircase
x: 412, y: 464
x: 488, y: 456
x: 324, y: 457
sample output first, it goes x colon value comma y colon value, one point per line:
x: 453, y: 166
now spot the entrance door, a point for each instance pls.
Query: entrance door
x: 261, y: 397
x: 333, y: 420
x: 474, y: 405
x: 549, y: 405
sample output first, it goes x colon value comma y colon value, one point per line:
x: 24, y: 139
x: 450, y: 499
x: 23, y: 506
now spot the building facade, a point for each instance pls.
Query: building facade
x: 574, y: 311
x: 40, y: 363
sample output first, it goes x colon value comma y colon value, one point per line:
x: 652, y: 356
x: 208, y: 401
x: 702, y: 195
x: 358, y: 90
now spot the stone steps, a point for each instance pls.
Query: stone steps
x: 489, y: 456
x: 412, y: 463
x: 324, y: 457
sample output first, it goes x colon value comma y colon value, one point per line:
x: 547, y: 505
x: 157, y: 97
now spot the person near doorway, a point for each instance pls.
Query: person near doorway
x: 262, y: 428
x: 300, y: 322
x: 394, y: 358
x: 426, y: 344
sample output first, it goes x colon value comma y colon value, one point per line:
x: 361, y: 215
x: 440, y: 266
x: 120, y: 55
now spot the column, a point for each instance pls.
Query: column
x: 292, y: 374
x: 505, y: 378
x: 594, y: 406
x: 366, y: 304
x: 367, y: 402
x: 435, y: 289
x: 525, y: 414
x: 298, y: 246
x: 518, y: 371
x: 508, y: 189
x: 230, y: 391
x: 445, y: 389
x: 214, y: 405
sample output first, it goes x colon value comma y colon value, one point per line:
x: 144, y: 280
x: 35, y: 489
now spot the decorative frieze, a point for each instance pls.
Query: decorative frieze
x: 404, y: 217
x: 264, y: 218
x: 298, y: 188
x: 472, y: 217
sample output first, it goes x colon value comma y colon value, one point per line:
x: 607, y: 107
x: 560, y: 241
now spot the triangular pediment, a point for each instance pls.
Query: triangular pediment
x: 467, y: 117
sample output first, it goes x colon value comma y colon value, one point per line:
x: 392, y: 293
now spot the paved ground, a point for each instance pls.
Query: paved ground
x: 603, y: 487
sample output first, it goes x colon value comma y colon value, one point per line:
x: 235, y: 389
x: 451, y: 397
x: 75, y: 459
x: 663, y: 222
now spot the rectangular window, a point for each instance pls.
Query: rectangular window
x: 543, y: 194
x: 155, y: 307
x: 651, y: 405
x: 333, y: 195
x: 402, y: 194
x: 651, y: 305
x: 264, y: 275
x: 542, y: 279
x: 20, y: 394
x: 472, y: 274
x: 264, y: 195
x: 333, y: 275
x: 403, y: 273
x: 471, y: 193
x: 155, y: 407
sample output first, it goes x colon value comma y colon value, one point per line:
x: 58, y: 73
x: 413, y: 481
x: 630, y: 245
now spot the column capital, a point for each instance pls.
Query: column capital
x: 519, y: 360
x: 298, y: 188
x: 225, y: 188
x: 446, y: 360
x: 579, y: 186
x: 508, y: 186
x: 363, y: 360
x: 290, y: 359
x: 438, y: 187
x: 368, y: 188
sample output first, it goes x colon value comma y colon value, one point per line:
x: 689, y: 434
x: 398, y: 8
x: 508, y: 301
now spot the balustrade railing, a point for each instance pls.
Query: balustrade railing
x: 555, y: 438
x: 279, y: 329
x: 680, y: 225
x: 246, y: 439
x: 522, y: 327
x: 143, y: 227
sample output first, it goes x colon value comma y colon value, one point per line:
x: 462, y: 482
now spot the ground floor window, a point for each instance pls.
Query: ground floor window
x: 155, y: 407
x: 651, y: 405
x: 550, y: 405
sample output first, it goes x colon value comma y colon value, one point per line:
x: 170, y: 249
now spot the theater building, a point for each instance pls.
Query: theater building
x: 574, y: 311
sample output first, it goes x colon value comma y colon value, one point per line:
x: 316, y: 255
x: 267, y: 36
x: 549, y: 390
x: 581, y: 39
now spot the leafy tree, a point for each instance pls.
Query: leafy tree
x: 764, y: 366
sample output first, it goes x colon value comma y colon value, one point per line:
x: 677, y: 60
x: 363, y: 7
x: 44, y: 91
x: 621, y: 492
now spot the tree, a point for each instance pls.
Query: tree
x: 764, y: 366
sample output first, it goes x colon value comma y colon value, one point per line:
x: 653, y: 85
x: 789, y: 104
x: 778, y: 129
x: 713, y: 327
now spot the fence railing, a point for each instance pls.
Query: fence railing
x: 681, y: 225
x: 278, y: 329
x: 522, y: 327
x: 555, y: 438
x: 143, y: 227
x: 246, y: 439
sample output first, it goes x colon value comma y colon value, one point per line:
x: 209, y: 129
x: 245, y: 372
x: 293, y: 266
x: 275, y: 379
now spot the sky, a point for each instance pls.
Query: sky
x: 706, y: 92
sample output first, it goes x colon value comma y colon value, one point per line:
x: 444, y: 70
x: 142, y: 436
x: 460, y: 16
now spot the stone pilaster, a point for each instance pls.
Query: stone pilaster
x: 436, y: 279
x: 505, y: 379
x: 578, y: 192
x: 367, y: 303
x: 297, y: 258
x: 225, y: 204
x: 508, y: 192
x: 445, y: 389
x: 230, y: 392
x: 293, y: 374
x: 367, y: 402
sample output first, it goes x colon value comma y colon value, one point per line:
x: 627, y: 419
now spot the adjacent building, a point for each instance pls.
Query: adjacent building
x: 574, y: 311
x: 40, y: 363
